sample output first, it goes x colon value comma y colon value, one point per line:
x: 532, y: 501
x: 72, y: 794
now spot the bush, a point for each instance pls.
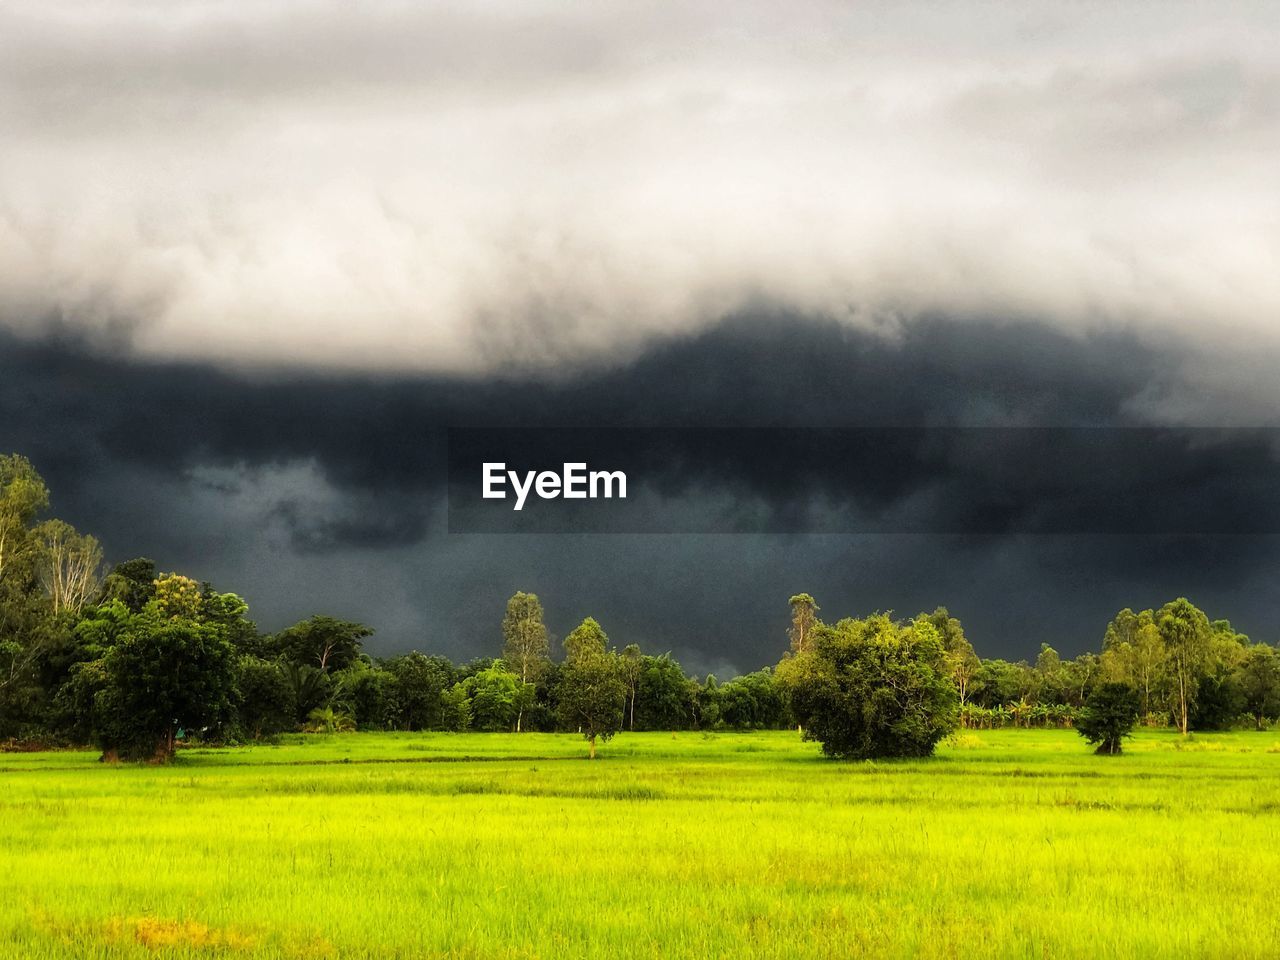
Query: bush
x: 1109, y: 716
x: 873, y: 688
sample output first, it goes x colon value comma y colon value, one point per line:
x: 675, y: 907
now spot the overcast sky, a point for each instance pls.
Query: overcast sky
x: 254, y: 257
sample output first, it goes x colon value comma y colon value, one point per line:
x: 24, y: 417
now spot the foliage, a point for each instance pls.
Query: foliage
x: 323, y: 642
x: 1109, y: 716
x: 874, y: 688
x: 592, y: 694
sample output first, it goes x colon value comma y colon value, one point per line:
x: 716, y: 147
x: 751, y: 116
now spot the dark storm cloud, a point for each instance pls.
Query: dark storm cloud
x: 322, y: 492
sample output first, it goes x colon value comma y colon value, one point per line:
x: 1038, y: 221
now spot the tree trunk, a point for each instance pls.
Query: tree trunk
x: 1182, y: 705
x: 632, y: 720
x: 519, y: 717
x: 592, y: 755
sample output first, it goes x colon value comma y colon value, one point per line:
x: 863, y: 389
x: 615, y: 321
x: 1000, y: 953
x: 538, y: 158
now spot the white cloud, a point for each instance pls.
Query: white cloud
x: 459, y: 187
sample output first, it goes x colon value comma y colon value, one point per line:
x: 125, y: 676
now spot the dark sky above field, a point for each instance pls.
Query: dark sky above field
x: 254, y: 258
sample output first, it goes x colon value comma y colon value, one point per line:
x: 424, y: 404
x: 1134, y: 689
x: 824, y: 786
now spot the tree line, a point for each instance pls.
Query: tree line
x: 137, y: 660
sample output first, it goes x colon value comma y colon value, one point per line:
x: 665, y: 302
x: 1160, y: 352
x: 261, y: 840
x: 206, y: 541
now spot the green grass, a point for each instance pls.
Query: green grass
x: 1007, y: 844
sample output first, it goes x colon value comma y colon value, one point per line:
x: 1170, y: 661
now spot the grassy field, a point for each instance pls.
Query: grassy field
x: 1007, y: 844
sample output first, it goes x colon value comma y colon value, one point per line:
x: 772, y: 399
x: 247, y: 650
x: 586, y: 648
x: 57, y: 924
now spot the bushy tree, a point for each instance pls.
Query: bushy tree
x: 754, y: 701
x: 875, y: 688
x: 1258, y: 680
x: 165, y: 674
x: 494, y: 697
x: 997, y: 683
x: 592, y: 694
x: 1108, y: 716
x: 421, y: 683
x: 325, y: 643
x: 264, y: 699
x: 664, y: 695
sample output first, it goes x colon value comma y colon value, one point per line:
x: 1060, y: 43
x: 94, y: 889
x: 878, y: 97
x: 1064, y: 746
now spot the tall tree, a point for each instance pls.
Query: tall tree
x: 70, y: 566
x: 962, y: 661
x: 632, y: 664
x: 1186, y: 633
x: 876, y: 688
x: 22, y: 496
x: 591, y: 690
x: 525, y: 642
x: 804, y: 617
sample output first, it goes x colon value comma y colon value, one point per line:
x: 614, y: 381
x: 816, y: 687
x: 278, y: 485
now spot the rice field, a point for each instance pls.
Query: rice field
x: 1007, y: 844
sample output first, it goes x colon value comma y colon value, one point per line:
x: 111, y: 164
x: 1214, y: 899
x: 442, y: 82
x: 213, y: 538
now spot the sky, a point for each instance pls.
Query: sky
x: 256, y: 259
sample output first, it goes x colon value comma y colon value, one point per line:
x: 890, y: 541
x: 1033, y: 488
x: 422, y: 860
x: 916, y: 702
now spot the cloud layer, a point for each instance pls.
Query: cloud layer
x: 321, y: 493
x: 462, y: 188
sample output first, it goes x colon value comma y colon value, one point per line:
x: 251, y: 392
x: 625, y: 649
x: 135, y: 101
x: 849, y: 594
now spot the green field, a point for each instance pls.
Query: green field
x: 1008, y: 843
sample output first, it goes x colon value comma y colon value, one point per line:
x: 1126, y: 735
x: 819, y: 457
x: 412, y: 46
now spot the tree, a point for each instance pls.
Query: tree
x: 753, y: 701
x: 1258, y: 679
x: 1108, y: 716
x: 164, y: 675
x: 664, y: 694
x: 323, y: 642
x: 309, y: 687
x: 962, y: 661
x: 264, y: 698
x: 495, y: 697
x: 133, y: 583
x: 592, y: 694
x: 28, y: 629
x: 1133, y: 651
x: 69, y: 565
x: 23, y: 495
x: 421, y: 683
x: 876, y: 688
x: 369, y: 695
x: 997, y: 683
x: 525, y: 641
x: 804, y: 617
x: 632, y: 664
x: 1185, y: 630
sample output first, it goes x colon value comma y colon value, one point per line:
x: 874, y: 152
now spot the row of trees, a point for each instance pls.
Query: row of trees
x: 138, y: 660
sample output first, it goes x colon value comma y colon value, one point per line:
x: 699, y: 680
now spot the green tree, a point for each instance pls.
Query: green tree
x: 1258, y: 679
x: 165, y: 674
x: 1133, y: 652
x: 631, y: 664
x: 28, y: 628
x: 1186, y: 633
x: 1108, y: 716
x: 495, y: 697
x: 962, y: 661
x: 592, y: 694
x: 753, y: 701
x: 421, y: 683
x: 133, y: 583
x: 525, y: 642
x: 804, y: 617
x: 264, y: 699
x: 877, y: 688
x: 664, y: 694
x: 322, y: 642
